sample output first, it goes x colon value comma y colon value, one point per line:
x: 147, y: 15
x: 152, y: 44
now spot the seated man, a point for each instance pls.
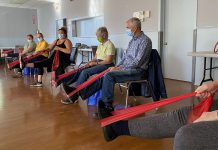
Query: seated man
x: 41, y: 45
x: 103, y: 59
x: 201, y: 134
x: 132, y: 66
x: 29, y: 48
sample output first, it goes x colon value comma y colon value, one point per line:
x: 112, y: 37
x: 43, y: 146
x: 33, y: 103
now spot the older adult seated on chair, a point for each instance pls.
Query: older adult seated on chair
x: 28, y: 50
x: 61, y: 46
x: 41, y: 45
x: 103, y: 59
x: 132, y: 66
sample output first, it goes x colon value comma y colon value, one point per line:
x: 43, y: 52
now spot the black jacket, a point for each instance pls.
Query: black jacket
x: 155, y: 77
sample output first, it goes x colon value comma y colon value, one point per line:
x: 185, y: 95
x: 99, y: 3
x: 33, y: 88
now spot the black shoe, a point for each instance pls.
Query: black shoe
x: 68, y: 89
x: 72, y: 99
x: 68, y: 101
x: 104, y: 112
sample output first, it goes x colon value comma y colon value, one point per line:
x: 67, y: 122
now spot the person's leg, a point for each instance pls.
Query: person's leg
x: 197, y: 136
x: 40, y: 64
x: 162, y: 125
x: 71, y: 78
x: 40, y: 70
x: 85, y: 74
x: 113, y: 77
x: 107, y: 83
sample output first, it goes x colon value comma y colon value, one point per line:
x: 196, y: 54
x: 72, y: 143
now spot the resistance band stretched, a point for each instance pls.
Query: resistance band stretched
x: 26, y: 59
x: 8, y: 51
x: 55, y: 82
x: 137, y: 110
x: 88, y: 82
x: 55, y: 65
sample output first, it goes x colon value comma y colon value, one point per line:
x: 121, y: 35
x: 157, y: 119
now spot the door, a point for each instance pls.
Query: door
x: 180, y: 20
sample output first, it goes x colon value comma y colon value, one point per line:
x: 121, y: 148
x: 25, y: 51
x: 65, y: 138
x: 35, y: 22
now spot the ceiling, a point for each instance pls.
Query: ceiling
x: 26, y: 3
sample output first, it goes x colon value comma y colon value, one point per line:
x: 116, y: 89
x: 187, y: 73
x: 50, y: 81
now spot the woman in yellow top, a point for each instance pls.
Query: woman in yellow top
x: 41, y: 46
x: 103, y: 59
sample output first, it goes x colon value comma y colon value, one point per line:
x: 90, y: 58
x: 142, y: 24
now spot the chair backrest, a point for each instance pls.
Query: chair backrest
x: 94, y: 49
x: 73, y: 55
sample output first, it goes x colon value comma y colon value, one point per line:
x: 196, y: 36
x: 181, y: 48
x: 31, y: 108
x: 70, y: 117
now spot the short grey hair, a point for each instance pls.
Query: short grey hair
x: 136, y: 22
x: 103, y: 32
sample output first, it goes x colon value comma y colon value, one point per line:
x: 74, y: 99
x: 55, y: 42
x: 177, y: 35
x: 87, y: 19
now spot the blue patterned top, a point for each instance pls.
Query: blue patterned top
x: 137, y: 54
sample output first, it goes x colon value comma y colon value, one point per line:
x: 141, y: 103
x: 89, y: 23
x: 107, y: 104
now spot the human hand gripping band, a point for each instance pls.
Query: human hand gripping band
x: 26, y: 59
x: 88, y: 82
x: 195, y: 113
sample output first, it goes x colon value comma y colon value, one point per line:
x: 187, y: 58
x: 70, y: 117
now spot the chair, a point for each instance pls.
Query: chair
x: 73, y: 57
x: 128, y: 87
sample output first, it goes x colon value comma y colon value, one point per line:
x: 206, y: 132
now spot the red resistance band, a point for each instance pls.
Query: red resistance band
x: 55, y: 65
x: 88, y: 82
x: 26, y: 59
x: 128, y: 113
x: 8, y: 51
x: 62, y: 76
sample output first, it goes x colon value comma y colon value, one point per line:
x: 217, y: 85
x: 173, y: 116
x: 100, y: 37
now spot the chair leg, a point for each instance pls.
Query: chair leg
x: 151, y: 90
x: 127, y: 97
x: 120, y: 89
x: 134, y: 97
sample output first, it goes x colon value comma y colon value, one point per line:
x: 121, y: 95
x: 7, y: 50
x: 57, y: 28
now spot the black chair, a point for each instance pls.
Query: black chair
x: 73, y: 56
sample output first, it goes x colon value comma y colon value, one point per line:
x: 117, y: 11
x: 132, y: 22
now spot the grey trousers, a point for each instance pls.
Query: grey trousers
x: 195, y: 136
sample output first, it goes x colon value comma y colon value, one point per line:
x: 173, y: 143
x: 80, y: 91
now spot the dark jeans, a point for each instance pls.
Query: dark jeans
x: 108, y: 81
x: 82, y: 75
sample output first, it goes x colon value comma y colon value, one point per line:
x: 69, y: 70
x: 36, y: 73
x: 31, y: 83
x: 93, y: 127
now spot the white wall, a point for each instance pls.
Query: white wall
x: 206, y: 39
x: 207, y: 35
x: 89, y: 8
x: 117, y: 12
x: 15, y: 24
x: 71, y: 10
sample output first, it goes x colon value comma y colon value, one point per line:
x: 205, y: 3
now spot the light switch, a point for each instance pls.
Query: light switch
x: 139, y: 14
x: 147, y: 14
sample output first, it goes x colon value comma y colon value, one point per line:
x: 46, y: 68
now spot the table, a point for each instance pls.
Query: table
x: 205, y: 54
x: 81, y: 51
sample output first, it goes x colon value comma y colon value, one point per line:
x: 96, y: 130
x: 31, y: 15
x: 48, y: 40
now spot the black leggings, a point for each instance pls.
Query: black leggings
x: 48, y: 63
x: 40, y: 58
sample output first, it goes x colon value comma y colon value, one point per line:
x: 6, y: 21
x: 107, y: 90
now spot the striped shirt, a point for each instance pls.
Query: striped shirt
x: 137, y: 54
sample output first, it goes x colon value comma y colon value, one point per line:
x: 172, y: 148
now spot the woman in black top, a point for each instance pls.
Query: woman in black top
x: 63, y: 45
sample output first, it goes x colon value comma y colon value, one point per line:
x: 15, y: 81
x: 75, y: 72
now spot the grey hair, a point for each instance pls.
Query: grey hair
x: 103, y: 32
x: 136, y: 22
